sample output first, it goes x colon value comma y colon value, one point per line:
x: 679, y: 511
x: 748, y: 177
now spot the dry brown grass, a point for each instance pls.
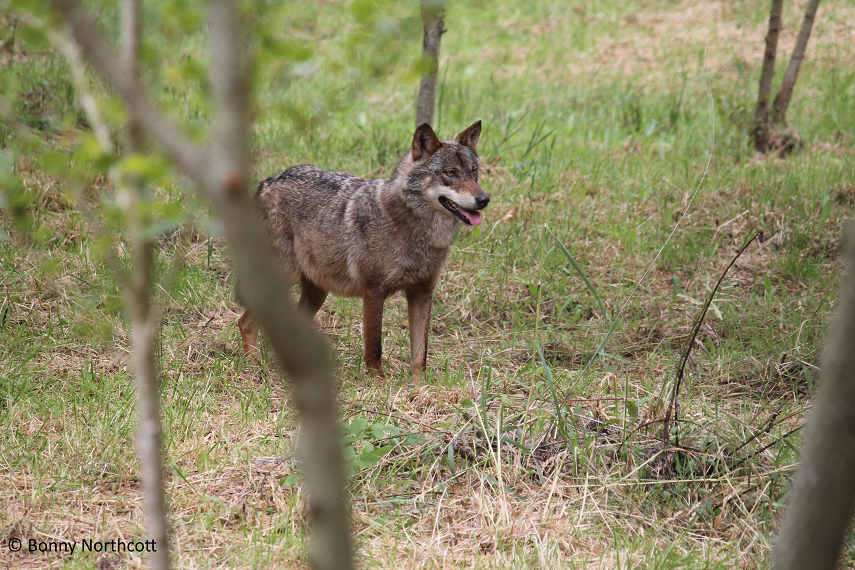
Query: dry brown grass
x: 571, y: 514
x: 612, y: 496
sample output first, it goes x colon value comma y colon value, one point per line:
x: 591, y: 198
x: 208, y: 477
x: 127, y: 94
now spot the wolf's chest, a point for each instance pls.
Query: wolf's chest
x: 403, y: 264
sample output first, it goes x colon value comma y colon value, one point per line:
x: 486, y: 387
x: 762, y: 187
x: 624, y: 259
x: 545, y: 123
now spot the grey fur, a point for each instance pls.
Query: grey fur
x: 349, y: 235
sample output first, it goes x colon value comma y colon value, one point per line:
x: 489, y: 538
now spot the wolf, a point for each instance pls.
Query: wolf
x: 342, y: 234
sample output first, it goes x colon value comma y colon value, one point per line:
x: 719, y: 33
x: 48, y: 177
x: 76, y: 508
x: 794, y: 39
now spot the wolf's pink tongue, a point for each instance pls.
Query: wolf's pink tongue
x: 473, y: 217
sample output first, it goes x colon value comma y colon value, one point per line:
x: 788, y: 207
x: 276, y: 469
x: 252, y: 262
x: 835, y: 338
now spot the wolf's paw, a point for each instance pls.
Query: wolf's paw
x: 417, y: 373
x: 253, y: 354
x: 375, y: 369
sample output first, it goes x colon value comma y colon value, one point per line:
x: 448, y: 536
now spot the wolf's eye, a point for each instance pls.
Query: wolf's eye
x: 451, y: 173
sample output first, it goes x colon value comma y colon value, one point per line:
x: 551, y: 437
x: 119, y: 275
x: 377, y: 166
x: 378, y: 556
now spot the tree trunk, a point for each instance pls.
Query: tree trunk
x: 144, y: 317
x: 131, y: 44
x: 824, y: 490
x: 785, y: 93
x: 433, y: 21
x: 149, y: 433
x: 761, y: 115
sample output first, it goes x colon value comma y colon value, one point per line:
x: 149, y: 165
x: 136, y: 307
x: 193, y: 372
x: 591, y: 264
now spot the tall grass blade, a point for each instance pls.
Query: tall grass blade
x: 559, y: 416
x: 581, y: 274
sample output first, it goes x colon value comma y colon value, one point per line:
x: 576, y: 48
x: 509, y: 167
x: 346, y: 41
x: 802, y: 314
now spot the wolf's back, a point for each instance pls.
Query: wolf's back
x: 306, y: 187
x: 312, y: 218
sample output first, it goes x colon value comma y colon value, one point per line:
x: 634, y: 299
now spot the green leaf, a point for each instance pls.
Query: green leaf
x: 369, y: 456
x: 357, y: 426
x: 559, y: 415
x: 415, y: 439
x: 190, y: 68
x: 365, y: 11
x: 291, y: 480
x: 614, y: 356
x: 136, y: 164
x: 288, y: 50
x: 516, y: 444
x: 55, y: 162
x: 378, y: 431
x: 7, y: 162
x: 581, y: 274
x: 33, y: 38
x: 632, y: 409
x: 50, y: 266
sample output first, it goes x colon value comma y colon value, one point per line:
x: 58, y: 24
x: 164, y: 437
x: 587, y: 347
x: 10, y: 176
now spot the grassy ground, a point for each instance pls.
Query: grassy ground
x: 599, y: 118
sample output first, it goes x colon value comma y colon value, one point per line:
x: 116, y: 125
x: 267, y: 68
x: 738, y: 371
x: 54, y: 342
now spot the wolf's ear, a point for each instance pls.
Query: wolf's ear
x: 470, y: 136
x: 425, y: 142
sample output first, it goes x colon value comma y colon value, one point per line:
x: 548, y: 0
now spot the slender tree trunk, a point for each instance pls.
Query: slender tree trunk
x: 131, y: 44
x: 144, y: 317
x: 221, y: 173
x: 824, y: 490
x: 433, y: 21
x: 767, y: 75
x: 149, y: 433
x: 785, y: 93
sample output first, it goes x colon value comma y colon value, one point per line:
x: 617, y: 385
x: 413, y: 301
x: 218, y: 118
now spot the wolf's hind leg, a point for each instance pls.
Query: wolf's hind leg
x: 311, y: 296
x: 249, y: 336
x: 418, y: 309
x: 372, y: 329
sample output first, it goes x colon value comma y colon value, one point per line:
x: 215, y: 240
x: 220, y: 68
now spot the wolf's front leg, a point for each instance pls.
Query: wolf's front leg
x: 249, y: 336
x: 372, y: 329
x: 418, y: 308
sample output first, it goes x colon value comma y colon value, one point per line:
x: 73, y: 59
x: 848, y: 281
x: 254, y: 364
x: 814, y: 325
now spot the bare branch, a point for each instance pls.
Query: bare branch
x: 131, y: 43
x: 231, y: 92
x: 304, y: 355
x: 824, y: 490
x: 292, y: 335
x: 87, y: 100
x: 138, y: 289
x: 681, y: 370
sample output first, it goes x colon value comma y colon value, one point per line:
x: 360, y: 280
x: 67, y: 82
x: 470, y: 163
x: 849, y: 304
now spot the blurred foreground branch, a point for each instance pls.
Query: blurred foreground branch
x: 823, y: 496
x: 146, y: 320
x: 221, y: 173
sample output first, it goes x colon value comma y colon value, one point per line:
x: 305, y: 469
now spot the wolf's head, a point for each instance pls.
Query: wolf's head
x: 446, y: 173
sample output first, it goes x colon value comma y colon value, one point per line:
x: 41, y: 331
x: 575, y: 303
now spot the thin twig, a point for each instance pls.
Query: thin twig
x: 672, y: 406
x: 767, y: 446
x: 767, y: 425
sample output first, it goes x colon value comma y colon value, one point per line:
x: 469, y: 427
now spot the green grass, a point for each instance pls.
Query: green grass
x: 598, y: 126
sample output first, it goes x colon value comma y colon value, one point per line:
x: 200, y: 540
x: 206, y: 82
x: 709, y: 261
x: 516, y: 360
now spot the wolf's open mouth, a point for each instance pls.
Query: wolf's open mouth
x: 468, y: 217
